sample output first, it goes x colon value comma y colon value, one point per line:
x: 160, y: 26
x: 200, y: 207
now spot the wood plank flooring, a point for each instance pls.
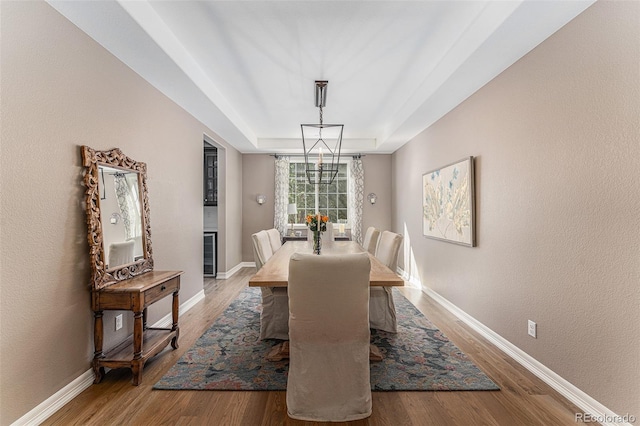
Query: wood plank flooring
x: 522, y: 400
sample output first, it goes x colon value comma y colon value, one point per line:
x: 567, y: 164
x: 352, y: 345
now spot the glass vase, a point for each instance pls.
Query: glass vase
x: 317, y: 242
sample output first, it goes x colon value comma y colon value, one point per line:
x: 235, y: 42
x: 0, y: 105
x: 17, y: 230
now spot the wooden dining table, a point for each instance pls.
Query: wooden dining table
x: 275, y: 273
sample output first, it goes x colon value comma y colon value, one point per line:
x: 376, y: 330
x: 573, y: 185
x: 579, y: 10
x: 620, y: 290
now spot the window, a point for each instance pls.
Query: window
x: 330, y: 199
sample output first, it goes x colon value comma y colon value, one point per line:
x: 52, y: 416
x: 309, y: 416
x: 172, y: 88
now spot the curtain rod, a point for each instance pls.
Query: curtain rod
x: 354, y: 156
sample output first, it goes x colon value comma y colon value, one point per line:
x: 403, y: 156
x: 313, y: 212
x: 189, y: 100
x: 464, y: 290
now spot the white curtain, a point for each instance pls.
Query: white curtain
x: 281, y: 198
x: 356, y: 198
x: 127, y: 194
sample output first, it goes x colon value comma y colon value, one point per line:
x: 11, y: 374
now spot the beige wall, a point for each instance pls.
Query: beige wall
x: 60, y: 90
x: 259, y: 177
x: 229, y: 209
x: 377, y: 179
x: 558, y: 196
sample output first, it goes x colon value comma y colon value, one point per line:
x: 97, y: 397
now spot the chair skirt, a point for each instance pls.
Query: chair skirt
x: 382, y: 310
x: 274, y: 319
x: 315, y: 396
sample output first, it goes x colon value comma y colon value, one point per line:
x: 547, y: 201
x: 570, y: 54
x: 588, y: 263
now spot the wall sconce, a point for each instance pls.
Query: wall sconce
x: 372, y: 198
x: 115, y: 218
x: 261, y: 199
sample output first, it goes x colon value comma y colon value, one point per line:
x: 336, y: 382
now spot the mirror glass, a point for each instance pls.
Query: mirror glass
x: 117, y: 207
x: 120, y: 216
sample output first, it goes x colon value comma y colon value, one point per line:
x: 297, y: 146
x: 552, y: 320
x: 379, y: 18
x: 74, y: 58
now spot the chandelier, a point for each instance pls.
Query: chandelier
x: 322, y: 143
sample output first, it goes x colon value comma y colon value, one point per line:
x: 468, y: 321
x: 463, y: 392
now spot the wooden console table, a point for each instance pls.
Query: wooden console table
x: 135, y: 294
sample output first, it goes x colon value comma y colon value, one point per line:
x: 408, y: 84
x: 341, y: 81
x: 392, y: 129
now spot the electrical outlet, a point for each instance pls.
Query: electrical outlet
x: 532, y: 329
x: 118, y: 322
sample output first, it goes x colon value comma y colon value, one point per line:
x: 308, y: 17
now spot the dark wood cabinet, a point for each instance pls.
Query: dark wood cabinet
x: 210, y: 177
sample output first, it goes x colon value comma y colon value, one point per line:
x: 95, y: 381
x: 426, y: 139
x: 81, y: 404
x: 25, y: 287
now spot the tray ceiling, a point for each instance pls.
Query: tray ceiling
x: 246, y: 69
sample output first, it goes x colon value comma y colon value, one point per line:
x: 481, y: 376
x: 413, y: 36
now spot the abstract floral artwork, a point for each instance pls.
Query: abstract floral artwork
x: 448, y: 203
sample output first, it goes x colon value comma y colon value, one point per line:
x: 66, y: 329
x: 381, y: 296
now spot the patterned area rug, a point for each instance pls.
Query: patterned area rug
x: 230, y: 356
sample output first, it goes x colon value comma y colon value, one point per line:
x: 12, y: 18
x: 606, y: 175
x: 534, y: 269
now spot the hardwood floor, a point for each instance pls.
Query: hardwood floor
x: 522, y: 400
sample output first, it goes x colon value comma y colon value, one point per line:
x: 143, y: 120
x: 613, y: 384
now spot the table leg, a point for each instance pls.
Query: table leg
x: 144, y: 319
x: 137, y: 335
x: 98, y: 330
x: 136, y: 368
x: 175, y: 307
x: 137, y: 363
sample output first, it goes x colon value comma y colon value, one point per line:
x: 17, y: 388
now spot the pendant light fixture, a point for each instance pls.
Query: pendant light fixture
x: 321, y: 143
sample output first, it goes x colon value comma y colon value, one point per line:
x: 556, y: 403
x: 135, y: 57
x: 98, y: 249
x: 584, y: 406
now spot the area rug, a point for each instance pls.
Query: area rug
x: 230, y: 356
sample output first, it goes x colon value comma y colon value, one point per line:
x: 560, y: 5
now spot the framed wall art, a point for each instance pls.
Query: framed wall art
x: 448, y: 203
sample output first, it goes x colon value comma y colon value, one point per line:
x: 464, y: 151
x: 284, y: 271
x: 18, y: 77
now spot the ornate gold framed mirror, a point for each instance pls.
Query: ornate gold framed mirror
x: 117, y: 208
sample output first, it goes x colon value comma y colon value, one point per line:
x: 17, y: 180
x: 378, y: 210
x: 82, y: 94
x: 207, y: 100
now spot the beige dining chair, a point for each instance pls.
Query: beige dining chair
x: 328, y: 236
x: 329, y: 334
x: 262, y: 250
x: 382, y: 309
x: 274, y: 318
x: 371, y: 237
x: 121, y: 253
x: 275, y: 239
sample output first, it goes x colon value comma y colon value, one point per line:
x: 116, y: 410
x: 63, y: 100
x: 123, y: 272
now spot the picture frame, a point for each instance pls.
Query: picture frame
x: 448, y: 203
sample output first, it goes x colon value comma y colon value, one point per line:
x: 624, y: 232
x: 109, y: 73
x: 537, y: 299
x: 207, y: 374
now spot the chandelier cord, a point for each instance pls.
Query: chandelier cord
x: 320, y: 129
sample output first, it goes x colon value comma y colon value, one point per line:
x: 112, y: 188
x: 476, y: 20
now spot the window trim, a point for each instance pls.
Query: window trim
x: 301, y: 226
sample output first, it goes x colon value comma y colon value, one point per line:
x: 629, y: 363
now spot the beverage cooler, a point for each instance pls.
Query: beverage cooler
x: 210, y: 248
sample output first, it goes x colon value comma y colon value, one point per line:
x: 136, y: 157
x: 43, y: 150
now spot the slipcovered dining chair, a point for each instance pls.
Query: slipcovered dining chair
x: 262, y: 250
x: 382, y: 309
x: 329, y: 334
x: 275, y: 239
x: 370, y: 241
x: 328, y: 236
x: 274, y: 318
x: 121, y: 253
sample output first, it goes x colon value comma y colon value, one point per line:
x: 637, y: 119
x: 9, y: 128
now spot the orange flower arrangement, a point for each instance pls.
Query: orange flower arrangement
x: 314, y: 220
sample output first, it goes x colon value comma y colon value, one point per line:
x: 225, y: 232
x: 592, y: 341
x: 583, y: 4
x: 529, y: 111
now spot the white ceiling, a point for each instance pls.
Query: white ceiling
x: 246, y: 69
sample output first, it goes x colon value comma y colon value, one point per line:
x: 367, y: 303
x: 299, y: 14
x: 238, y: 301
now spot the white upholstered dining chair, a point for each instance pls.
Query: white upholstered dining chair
x: 382, y: 309
x: 328, y: 236
x: 329, y: 334
x: 274, y: 238
x: 121, y: 253
x: 274, y: 318
x: 371, y: 237
x: 262, y: 250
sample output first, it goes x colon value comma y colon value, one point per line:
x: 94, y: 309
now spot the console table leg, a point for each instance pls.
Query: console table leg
x: 136, y: 369
x: 98, y: 372
x: 98, y: 329
x: 144, y: 319
x: 137, y: 335
x: 97, y: 334
x: 137, y: 364
x: 174, y: 314
x: 174, y: 341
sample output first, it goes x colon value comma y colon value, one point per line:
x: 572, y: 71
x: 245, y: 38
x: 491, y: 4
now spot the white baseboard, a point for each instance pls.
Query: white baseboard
x: 56, y: 401
x: 595, y: 410
x: 228, y: 274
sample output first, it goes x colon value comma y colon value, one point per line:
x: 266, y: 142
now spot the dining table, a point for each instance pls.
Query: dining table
x: 275, y: 272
